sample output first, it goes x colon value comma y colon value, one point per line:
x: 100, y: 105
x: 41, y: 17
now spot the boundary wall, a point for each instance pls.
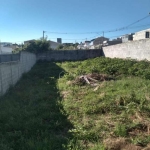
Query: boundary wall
x: 70, y: 55
x: 139, y: 50
x: 11, y: 72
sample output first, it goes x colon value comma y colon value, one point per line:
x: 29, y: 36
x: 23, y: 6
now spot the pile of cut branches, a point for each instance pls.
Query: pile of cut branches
x: 92, y: 79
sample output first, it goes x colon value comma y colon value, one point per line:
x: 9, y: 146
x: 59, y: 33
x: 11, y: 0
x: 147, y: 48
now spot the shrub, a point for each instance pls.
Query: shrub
x: 38, y: 46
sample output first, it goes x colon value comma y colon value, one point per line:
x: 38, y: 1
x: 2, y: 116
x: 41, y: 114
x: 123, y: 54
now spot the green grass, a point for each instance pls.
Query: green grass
x: 31, y: 116
x: 118, y: 108
x: 46, y: 110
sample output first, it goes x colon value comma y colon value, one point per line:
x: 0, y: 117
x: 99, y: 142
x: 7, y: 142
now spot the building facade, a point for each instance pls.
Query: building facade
x: 127, y: 37
x: 144, y: 34
x: 54, y: 45
x: 99, y: 40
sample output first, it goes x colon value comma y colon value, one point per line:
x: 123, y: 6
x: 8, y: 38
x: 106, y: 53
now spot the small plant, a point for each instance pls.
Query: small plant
x: 120, y: 130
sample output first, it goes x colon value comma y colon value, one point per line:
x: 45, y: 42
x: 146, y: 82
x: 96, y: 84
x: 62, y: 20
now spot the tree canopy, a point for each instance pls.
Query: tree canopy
x: 36, y: 46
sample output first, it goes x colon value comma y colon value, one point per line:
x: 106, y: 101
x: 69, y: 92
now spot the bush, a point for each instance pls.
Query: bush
x: 38, y: 46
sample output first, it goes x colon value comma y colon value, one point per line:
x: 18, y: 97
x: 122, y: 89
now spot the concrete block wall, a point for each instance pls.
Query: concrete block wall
x: 11, y: 72
x: 72, y: 55
x: 139, y: 50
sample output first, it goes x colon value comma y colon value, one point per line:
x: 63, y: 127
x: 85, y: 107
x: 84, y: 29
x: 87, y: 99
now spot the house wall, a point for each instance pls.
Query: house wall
x: 72, y: 55
x: 6, y: 50
x: 99, y: 40
x: 54, y: 45
x: 11, y: 72
x: 135, y: 49
x: 140, y: 35
x: 114, y: 42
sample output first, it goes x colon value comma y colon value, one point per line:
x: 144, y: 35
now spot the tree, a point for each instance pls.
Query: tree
x: 38, y: 46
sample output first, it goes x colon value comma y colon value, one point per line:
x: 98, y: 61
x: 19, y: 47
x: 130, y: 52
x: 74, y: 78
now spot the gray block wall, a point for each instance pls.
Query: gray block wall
x: 71, y: 55
x: 139, y: 50
x: 11, y: 72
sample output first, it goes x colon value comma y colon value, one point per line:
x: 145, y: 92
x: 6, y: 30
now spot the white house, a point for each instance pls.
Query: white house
x: 5, y: 50
x: 141, y: 35
x: 86, y: 45
x: 54, y: 45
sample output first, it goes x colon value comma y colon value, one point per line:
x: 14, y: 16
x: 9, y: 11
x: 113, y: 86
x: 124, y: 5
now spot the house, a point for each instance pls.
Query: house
x: 29, y: 42
x: 99, y: 40
x: 54, y: 45
x: 144, y: 34
x: 5, y: 50
x: 67, y: 44
x: 5, y: 43
x: 127, y: 37
x: 113, y: 42
x: 85, y: 45
x: 14, y: 46
x: 80, y: 46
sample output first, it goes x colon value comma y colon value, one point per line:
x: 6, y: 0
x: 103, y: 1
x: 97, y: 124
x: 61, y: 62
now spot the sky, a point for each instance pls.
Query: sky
x: 71, y: 20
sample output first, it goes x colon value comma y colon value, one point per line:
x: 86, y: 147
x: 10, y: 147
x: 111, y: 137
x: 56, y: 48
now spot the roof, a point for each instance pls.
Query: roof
x: 144, y: 30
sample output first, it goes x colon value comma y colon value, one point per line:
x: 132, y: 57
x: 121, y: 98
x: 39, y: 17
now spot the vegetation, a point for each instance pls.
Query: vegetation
x: 116, y: 110
x: 47, y: 110
x: 68, y: 46
x: 37, y: 46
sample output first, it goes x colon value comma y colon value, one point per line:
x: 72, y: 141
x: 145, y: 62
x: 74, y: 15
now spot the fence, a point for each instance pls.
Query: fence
x: 9, y: 57
x: 70, y: 55
x: 12, y: 67
x: 139, y: 50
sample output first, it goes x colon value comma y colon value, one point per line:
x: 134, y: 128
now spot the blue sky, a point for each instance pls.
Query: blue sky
x: 26, y: 19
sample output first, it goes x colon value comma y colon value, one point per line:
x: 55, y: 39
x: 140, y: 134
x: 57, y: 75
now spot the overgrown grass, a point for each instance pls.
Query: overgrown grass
x: 47, y: 110
x: 31, y: 116
x: 117, y: 108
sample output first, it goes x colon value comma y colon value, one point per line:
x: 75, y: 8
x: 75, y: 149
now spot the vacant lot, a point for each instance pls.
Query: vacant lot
x: 55, y: 107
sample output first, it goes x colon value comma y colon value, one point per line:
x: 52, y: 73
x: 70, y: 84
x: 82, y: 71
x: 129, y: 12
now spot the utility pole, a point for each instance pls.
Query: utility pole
x: 103, y: 39
x: 43, y: 34
x: 103, y: 36
x: 0, y: 48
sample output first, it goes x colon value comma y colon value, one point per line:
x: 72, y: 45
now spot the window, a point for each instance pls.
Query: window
x: 147, y: 35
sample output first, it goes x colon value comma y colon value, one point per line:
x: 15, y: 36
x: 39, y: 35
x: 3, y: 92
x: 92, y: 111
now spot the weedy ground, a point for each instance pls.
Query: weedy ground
x: 47, y: 110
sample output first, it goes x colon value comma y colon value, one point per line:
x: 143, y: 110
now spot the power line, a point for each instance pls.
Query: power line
x: 98, y: 32
x: 106, y: 32
x: 101, y: 32
x: 137, y: 21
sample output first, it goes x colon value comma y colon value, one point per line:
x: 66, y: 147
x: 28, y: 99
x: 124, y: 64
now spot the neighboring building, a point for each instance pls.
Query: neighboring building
x: 54, y: 45
x: 127, y: 37
x: 98, y: 43
x: 5, y: 43
x: 67, y: 44
x: 144, y: 34
x: 5, y: 50
x: 59, y: 40
x: 29, y: 42
x: 114, y: 41
x: 99, y: 40
x: 87, y: 44
x: 80, y: 46
x: 14, y: 46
